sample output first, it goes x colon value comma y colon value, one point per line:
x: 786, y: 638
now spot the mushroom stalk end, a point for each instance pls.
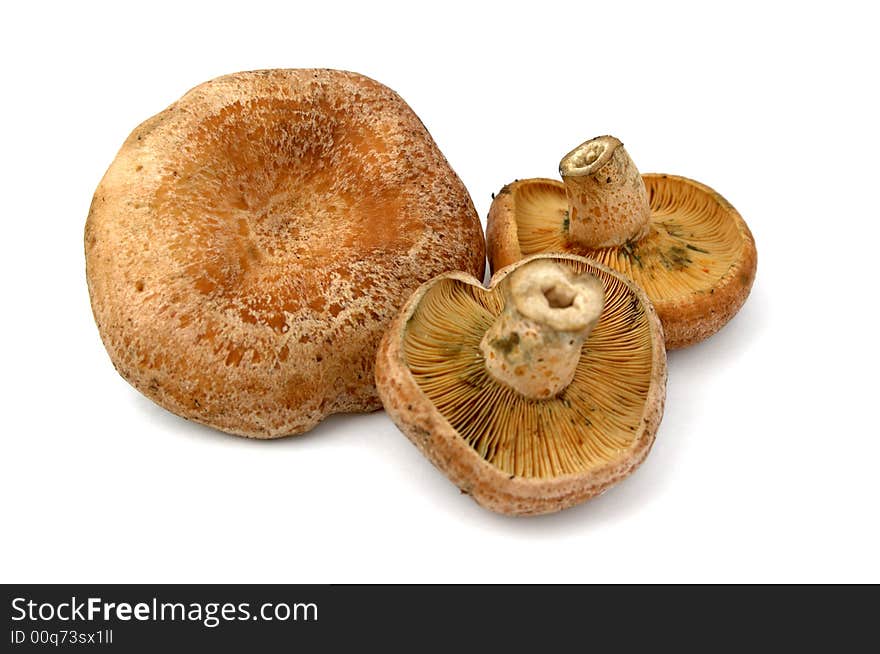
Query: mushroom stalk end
x: 534, y: 345
x: 607, y: 201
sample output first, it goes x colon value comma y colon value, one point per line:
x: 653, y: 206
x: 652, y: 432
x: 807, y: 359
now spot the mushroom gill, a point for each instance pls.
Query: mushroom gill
x: 690, y: 246
x: 587, y: 425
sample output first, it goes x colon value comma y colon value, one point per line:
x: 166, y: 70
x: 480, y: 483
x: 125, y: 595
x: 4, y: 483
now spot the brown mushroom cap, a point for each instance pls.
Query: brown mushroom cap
x: 511, y: 453
x: 697, y: 261
x: 249, y: 245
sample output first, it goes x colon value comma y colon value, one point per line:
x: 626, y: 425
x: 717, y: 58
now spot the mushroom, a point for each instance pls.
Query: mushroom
x: 249, y: 245
x: 532, y: 395
x: 677, y: 238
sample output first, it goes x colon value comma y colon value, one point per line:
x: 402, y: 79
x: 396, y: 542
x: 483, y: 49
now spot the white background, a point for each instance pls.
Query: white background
x: 766, y: 463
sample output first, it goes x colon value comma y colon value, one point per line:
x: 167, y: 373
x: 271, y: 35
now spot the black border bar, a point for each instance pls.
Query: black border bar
x: 460, y: 617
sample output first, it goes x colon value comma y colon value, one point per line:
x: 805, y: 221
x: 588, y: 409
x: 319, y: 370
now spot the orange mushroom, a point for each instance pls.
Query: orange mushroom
x: 249, y: 245
x: 677, y: 238
x: 532, y: 395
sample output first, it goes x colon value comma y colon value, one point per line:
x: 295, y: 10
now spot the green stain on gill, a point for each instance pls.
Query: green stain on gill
x: 635, y: 311
x: 673, y: 229
x: 675, y: 258
x: 677, y: 231
x: 471, y: 379
x: 629, y: 250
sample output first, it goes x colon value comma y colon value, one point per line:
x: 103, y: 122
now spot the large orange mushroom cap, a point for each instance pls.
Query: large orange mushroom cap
x: 248, y: 245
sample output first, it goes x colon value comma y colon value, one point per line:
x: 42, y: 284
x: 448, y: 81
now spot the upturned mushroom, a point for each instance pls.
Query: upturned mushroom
x: 677, y: 238
x: 532, y: 395
x: 249, y: 245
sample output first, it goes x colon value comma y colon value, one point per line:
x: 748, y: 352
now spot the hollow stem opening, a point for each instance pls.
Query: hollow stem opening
x: 558, y: 297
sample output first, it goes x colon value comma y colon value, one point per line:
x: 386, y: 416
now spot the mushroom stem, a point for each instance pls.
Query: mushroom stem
x: 607, y: 201
x: 534, y: 344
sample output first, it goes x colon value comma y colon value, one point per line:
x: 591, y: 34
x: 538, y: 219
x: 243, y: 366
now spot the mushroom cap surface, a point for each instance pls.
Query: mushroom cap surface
x: 512, y: 454
x: 249, y: 245
x: 697, y: 263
